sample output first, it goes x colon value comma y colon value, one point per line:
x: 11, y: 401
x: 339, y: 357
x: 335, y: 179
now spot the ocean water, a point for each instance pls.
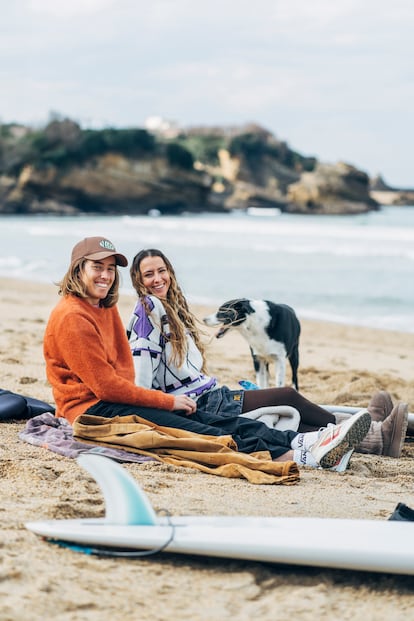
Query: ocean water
x: 350, y: 269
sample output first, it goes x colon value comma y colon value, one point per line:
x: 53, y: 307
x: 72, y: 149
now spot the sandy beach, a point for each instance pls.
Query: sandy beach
x: 338, y: 364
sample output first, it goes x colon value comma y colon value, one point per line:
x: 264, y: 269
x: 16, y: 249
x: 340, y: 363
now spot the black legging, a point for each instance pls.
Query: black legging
x: 312, y: 416
x: 249, y: 435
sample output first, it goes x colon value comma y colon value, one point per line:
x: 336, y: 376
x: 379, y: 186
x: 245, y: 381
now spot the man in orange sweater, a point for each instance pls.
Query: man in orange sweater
x: 87, y: 355
x: 90, y: 367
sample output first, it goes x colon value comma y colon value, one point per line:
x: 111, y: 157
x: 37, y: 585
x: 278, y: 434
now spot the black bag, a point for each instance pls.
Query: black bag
x: 14, y: 406
x: 402, y: 513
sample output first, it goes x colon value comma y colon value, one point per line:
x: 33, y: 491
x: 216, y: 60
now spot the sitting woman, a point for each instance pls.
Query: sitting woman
x: 169, y: 355
x: 90, y: 368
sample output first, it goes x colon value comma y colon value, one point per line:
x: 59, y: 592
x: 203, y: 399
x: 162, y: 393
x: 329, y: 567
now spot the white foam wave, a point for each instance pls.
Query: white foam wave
x: 333, y: 269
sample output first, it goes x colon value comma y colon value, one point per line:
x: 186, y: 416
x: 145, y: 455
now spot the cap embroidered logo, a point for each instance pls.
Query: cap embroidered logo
x: 105, y: 243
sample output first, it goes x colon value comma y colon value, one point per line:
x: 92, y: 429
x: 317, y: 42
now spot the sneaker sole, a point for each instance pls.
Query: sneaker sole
x: 359, y: 428
x: 343, y: 463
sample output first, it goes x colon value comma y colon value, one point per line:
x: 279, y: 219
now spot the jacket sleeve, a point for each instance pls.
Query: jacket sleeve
x: 98, y: 372
x: 146, y: 340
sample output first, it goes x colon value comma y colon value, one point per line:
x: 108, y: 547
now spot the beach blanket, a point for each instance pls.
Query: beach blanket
x: 211, y: 454
x: 56, y: 434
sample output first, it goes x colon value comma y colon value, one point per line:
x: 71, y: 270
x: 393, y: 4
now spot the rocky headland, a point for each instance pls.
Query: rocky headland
x: 387, y: 195
x: 63, y: 169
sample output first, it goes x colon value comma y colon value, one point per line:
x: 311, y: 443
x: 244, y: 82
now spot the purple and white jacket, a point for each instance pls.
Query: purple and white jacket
x: 152, y: 351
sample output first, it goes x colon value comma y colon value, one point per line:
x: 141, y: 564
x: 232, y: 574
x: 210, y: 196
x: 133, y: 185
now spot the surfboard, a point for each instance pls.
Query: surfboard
x: 131, y: 524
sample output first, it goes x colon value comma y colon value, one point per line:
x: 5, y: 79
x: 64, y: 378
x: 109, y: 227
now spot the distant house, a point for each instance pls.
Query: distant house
x: 162, y: 127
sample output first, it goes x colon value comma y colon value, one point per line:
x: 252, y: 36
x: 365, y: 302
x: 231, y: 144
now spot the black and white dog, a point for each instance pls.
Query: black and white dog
x: 271, y: 330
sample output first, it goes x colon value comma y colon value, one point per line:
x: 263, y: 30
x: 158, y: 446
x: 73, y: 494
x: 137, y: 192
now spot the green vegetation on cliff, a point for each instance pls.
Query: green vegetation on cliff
x: 64, y: 143
x: 254, y: 146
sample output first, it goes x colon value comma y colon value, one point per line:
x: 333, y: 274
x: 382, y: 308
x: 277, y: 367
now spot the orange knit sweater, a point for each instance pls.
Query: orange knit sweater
x: 88, y: 359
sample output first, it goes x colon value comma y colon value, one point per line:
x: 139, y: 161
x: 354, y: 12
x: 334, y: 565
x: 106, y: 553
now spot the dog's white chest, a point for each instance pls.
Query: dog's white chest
x: 254, y: 331
x: 271, y: 330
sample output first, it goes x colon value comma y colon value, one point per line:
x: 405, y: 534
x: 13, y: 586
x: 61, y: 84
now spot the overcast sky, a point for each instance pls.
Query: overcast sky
x: 334, y: 78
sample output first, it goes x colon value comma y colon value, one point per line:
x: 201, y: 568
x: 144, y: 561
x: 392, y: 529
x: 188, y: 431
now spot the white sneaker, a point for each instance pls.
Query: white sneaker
x: 337, y: 440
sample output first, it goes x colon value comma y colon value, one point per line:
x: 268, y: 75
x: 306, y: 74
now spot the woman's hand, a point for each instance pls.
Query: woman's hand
x: 182, y: 402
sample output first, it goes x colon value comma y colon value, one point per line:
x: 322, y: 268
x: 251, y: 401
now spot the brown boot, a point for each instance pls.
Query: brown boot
x: 394, y: 429
x: 386, y: 437
x: 380, y: 405
x: 373, y: 442
x: 340, y: 417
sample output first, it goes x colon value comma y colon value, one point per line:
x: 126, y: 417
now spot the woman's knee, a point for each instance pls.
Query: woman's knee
x: 269, y: 396
x: 289, y: 392
x: 284, y: 395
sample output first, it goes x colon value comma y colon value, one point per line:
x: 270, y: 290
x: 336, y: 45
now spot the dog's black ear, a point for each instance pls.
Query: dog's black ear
x: 243, y: 305
x: 230, y: 303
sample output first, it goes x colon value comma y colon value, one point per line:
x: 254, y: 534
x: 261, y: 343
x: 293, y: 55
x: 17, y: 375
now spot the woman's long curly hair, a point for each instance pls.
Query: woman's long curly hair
x: 72, y: 284
x: 180, y: 318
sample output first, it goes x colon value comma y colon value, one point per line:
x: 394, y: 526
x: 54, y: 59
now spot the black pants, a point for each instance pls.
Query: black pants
x: 249, y: 435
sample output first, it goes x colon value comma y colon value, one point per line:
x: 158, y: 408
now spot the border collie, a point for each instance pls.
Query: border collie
x: 271, y: 330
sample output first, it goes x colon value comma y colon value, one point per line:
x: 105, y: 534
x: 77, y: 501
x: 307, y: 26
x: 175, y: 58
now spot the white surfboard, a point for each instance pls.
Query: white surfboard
x: 131, y: 523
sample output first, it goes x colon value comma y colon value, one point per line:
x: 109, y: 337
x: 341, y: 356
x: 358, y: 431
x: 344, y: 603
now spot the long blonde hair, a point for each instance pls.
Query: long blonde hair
x: 181, y: 320
x: 72, y: 284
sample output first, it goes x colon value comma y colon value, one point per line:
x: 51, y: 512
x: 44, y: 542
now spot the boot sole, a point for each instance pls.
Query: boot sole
x: 357, y: 431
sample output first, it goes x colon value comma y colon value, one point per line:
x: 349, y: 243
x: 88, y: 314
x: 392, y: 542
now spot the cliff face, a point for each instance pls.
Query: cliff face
x: 108, y: 184
x: 386, y: 195
x: 329, y: 189
x: 394, y: 197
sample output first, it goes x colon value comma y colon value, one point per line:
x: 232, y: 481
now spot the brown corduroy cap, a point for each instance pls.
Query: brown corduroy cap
x: 97, y: 248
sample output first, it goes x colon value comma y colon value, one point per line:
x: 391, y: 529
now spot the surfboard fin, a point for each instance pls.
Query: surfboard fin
x: 125, y: 502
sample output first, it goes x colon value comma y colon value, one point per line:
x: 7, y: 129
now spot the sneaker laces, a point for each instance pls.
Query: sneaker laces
x: 324, y: 430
